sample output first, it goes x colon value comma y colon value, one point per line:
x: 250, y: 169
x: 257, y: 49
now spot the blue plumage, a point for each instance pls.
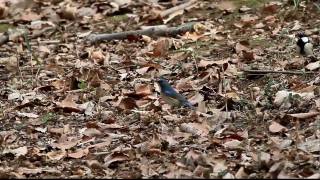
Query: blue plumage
x: 171, y: 96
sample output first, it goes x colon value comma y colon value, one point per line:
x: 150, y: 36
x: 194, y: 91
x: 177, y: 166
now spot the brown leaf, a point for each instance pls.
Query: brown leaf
x: 68, y: 144
x: 271, y: 8
x: 126, y: 103
x: 56, y: 155
x: 106, y: 143
x: 205, y: 63
x: 233, y: 144
x: 69, y: 104
x: 161, y: 47
x: 242, y: 46
x: 143, y: 89
x: 98, y: 57
x: 79, y: 153
x: 115, y: 157
x: 248, y: 55
x: 276, y: 127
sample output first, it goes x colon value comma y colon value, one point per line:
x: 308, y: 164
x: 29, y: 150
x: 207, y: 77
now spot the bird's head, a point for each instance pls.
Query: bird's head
x: 163, y: 83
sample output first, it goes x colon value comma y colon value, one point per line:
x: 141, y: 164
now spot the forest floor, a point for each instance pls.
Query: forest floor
x: 72, y: 108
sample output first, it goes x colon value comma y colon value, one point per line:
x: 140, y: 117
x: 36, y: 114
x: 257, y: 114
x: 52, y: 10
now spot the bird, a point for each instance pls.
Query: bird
x: 171, y: 96
x: 304, y: 45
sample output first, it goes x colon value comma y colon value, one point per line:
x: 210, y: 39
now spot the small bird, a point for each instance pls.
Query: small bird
x: 172, y: 97
x: 304, y: 45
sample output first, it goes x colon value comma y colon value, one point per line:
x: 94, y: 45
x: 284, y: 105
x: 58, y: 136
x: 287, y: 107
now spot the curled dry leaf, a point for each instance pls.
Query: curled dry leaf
x: 56, y: 155
x: 115, y: 157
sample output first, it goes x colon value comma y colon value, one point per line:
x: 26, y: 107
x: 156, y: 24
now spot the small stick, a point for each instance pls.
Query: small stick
x: 154, y: 31
x: 258, y: 72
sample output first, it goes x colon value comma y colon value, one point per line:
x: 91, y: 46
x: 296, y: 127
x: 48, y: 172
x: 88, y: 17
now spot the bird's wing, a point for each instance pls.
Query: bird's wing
x: 171, y: 93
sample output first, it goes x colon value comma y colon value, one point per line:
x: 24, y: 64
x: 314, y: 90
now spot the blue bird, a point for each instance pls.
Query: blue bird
x: 170, y: 96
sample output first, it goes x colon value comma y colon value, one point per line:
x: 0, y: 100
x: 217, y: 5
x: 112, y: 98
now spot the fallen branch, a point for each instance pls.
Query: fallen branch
x: 259, y: 72
x: 153, y: 31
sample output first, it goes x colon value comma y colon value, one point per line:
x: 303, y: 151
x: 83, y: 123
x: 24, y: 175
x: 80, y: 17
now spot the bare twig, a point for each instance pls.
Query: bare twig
x: 259, y: 72
x: 154, y: 31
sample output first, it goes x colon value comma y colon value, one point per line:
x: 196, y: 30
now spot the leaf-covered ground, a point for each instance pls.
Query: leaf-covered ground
x: 75, y: 109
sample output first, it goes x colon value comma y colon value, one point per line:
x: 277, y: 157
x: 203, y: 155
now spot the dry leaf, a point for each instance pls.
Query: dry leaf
x: 65, y: 144
x: 92, y: 132
x: 21, y: 151
x: 195, y: 128
x: 161, y: 47
x: 143, y: 89
x: 56, y: 155
x: 115, y: 157
x: 276, y: 127
x: 79, y: 153
x: 233, y: 144
x: 69, y: 104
